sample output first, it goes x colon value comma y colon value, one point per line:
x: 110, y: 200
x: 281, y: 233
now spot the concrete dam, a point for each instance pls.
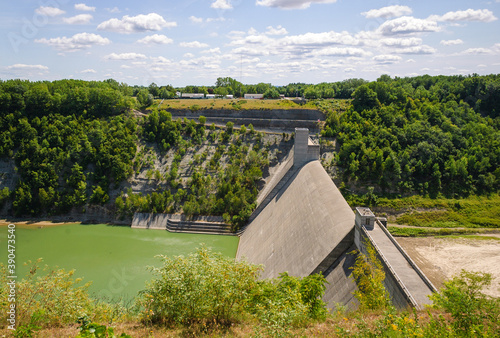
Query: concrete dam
x: 303, y: 225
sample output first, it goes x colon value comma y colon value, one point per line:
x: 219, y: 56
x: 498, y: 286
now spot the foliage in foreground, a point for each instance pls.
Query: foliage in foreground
x: 206, y: 294
x: 201, y: 287
x: 48, y: 297
x: 472, y: 312
x: 368, y: 272
x: 207, y: 288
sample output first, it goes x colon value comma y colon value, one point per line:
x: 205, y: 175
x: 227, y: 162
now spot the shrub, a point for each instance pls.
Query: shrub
x: 369, y: 275
x: 287, y: 302
x: 204, y: 287
x: 472, y: 311
x: 47, y: 297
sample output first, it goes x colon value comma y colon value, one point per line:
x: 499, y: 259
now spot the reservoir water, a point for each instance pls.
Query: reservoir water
x: 114, y: 258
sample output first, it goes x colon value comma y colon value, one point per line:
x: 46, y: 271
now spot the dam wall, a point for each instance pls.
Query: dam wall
x: 302, y: 228
x: 276, y: 119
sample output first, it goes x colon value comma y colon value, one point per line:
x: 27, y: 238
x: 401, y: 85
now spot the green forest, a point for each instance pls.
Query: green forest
x: 73, y: 142
x: 425, y: 135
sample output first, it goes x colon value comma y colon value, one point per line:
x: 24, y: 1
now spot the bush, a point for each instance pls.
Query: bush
x: 47, y: 297
x: 369, y: 275
x: 204, y: 287
x: 287, y: 302
x: 471, y: 310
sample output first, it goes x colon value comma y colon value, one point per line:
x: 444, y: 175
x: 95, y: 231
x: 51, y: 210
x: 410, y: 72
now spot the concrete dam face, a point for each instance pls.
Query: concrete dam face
x: 300, y: 227
x: 305, y: 226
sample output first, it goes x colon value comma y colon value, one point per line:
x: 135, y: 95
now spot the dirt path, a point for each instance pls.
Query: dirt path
x: 442, y: 258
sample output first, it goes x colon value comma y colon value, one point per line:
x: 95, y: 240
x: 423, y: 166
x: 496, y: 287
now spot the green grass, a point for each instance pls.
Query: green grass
x: 471, y: 212
x: 242, y: 104
x: 481, y: 238
x: 426, y: 232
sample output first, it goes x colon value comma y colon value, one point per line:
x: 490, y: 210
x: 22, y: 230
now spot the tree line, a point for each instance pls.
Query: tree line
x: 74, y: 142
x: 424, y: 135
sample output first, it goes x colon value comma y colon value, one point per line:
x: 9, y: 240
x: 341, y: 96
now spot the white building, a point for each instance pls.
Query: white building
x: 254, y: 96
x: 192, y: 95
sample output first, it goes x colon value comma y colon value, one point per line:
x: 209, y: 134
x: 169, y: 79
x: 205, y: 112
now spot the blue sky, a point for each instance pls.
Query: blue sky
x: 275, y: 41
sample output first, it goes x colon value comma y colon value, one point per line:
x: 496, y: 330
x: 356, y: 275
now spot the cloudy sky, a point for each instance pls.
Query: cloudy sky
x: 193, y: 42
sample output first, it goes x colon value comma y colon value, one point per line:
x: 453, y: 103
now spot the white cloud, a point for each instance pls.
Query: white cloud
x: 189, y: 55
x: 76, y: 42
x: 212, y: 51
x: 483, y: 15
x: 215, y: 19
x: 155, y: 39
x: 423, y: 49
x: 318, y: 39
x: 291, y: 4
x: 221, y: 4
x: 477, y: 51
x: 401, y: 42
x: 194, y: 44
x: 125, y: 56
x: 276, y: 31
x: 194, y: 19
x: 388, y: 12
x: 20, y: 66
x: 49, y: 11
x: 197, y: 20
x: 341, y: 51
x: 387, y: 59
x: 250, y: 51
x: 84, y: 7
x: 113, y: 10
x: 88, y: 71
x: 451, y: 42
x: 80, y: 19
x: 407, y: 25
x: 135, y: 24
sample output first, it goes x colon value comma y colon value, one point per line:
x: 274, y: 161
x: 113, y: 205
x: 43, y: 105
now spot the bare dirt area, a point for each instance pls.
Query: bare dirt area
x: 34, y: 223
x: 442, y: 258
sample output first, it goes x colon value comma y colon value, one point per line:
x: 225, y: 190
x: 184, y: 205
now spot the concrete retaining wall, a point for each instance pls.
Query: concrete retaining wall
x: 181, y: 223
x: 282, y: 120
x: 275, y: 114
x: 300, y: 227
x: 341, y: 286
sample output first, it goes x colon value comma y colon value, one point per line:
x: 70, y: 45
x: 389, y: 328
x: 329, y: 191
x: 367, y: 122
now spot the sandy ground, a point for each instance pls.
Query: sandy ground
x: 443, y: 258
x: 34, y: 224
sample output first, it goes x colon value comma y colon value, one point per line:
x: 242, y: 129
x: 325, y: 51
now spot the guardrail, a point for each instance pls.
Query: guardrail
x: 406, y: 293
x: 408, y: 258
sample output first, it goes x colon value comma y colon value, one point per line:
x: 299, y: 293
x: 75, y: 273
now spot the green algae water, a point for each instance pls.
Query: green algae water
x: 114, y: 258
